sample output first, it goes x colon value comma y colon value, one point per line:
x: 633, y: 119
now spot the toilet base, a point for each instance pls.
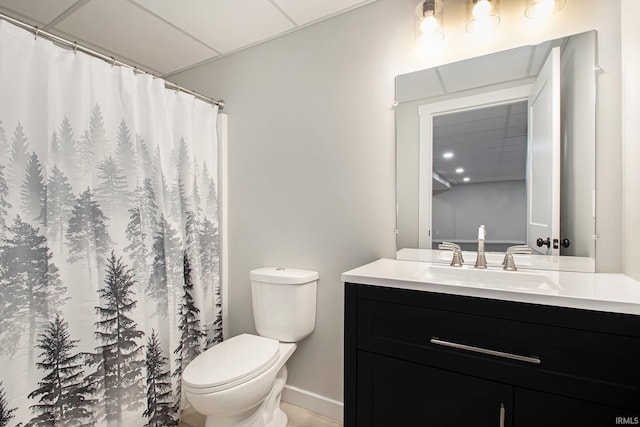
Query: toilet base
x: 266, y: 414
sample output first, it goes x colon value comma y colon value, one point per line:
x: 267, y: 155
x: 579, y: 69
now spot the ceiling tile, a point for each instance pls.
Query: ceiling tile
x: 127, y: 30
x: 303, y: 12
x: 224, y: 25
x: 36, y: 11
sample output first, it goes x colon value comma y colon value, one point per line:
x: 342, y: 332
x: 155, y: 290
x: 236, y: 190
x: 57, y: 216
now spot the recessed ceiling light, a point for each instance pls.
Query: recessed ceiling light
x: 459, y: 170
x: 465, y: 179
x: 448, y: 155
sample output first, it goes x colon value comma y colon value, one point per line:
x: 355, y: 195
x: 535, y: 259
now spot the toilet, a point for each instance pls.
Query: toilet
x: 239, y: 382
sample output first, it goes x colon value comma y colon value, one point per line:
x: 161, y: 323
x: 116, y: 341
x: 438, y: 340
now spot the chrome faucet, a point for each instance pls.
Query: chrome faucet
x: 481, y: 260
x: 457, y: 260
x: 508, y: 263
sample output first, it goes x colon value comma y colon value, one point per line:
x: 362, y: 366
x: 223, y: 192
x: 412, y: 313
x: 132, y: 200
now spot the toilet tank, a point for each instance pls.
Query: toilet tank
x: 284, y: 302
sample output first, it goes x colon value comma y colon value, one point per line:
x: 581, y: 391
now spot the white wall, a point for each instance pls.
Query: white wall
x: 312, y: 152
x: 631, y: 135
x: 577, y: 180
x: 408, y: 174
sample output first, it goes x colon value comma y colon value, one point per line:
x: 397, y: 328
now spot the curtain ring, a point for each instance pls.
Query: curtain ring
x: 36, y: 32
x: 75, y: 47
x: 113, y: 61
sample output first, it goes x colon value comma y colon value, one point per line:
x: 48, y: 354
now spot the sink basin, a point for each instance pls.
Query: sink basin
x: 519, y: 281
x: 493, y: 258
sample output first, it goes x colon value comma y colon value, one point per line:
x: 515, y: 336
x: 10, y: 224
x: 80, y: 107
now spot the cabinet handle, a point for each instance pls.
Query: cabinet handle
x: 528, y: 359
x: 502, y: 415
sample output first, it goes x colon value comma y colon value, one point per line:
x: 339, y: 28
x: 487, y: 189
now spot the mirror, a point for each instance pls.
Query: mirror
x: 480, y: 119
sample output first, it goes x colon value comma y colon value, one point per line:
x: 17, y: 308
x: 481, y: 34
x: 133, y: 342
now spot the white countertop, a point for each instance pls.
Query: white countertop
x: 590, y: 291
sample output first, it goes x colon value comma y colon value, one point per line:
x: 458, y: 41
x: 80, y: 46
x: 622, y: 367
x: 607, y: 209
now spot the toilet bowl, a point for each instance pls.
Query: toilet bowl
x: 238, y: 391
x: 239, y: 382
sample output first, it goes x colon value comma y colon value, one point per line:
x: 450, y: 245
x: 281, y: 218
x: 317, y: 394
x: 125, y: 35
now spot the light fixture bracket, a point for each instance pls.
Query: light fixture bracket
x: 428, y: 7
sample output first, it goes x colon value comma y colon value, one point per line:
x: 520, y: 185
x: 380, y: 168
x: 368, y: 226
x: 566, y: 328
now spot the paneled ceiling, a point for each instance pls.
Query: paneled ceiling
x: 168, y: 36
x: 489, y: 144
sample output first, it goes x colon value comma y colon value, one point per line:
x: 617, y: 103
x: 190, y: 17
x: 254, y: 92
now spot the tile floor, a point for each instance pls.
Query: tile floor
x: 298, y: 417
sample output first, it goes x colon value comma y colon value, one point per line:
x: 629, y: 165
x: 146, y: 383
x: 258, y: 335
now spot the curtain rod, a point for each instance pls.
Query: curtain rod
x: 110, y: 59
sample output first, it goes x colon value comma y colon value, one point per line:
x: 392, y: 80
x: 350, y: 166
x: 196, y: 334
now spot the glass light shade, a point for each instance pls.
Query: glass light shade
x: 541, y: 9
x: 429, y: 23
x: 482, y: 15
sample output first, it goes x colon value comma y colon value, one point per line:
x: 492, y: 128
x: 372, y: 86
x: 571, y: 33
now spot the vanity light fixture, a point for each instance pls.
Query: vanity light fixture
x: 459, y: 170
x: 482, y: 15
x: 429, y: 24
x: 540, y: 9
x: 448, y: 155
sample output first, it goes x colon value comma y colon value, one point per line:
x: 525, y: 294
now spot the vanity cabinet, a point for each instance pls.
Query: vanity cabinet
x: 416, y: 358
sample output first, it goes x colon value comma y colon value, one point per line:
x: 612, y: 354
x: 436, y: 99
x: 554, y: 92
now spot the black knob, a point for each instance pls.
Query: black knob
x: 542, y: 243
x: 566, y: 243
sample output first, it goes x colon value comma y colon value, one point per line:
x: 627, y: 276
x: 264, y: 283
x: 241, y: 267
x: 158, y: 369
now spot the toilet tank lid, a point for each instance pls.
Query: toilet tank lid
x: 283, y: 275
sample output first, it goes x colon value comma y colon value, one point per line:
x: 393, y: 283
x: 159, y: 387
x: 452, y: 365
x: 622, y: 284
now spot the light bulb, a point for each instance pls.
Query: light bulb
x: 429, y: 24
x: 482, y: 9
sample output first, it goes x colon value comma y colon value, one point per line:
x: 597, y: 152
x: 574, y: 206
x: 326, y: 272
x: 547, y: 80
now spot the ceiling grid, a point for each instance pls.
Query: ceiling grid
x: 164, y: 36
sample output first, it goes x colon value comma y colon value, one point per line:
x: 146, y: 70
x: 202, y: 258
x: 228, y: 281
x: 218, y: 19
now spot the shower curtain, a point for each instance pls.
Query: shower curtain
x: 109, y: 250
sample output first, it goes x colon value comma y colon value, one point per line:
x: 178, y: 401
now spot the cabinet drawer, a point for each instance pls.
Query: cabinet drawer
x: 583, y: 364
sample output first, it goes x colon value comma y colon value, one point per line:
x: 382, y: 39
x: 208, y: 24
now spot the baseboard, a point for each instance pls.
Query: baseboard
x: 313, y: 402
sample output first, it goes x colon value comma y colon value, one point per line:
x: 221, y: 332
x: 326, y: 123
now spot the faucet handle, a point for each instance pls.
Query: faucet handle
x: 457, y: 259
x: 448, y: 246
x: 508, y: 263
x: 520, y: 249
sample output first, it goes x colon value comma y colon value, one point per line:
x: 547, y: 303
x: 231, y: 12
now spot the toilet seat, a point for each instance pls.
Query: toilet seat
x: 232, y: 362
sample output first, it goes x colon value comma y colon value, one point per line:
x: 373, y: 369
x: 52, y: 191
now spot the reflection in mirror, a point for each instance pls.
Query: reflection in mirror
x: 474, y: 119
x: 479, y: 164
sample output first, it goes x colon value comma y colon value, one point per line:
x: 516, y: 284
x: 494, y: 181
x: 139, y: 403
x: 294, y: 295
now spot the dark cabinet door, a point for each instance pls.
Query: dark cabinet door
x: 535, y: 409
x: 393, y: 392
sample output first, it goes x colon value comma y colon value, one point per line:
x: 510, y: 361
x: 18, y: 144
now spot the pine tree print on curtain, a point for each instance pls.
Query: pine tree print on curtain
x: 109, y: 249
x: 87, y: 234
x: 160, y: 410
x: 119, y: 360
x: 191, y: 333
x: 33, y: 283
x: 64, y: 396
x: 6, y: 413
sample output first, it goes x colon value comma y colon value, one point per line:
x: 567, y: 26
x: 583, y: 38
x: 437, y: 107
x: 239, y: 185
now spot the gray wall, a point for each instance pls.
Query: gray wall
x: 500, y: 206
x: 311, y: 168
x: 312, y: 151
